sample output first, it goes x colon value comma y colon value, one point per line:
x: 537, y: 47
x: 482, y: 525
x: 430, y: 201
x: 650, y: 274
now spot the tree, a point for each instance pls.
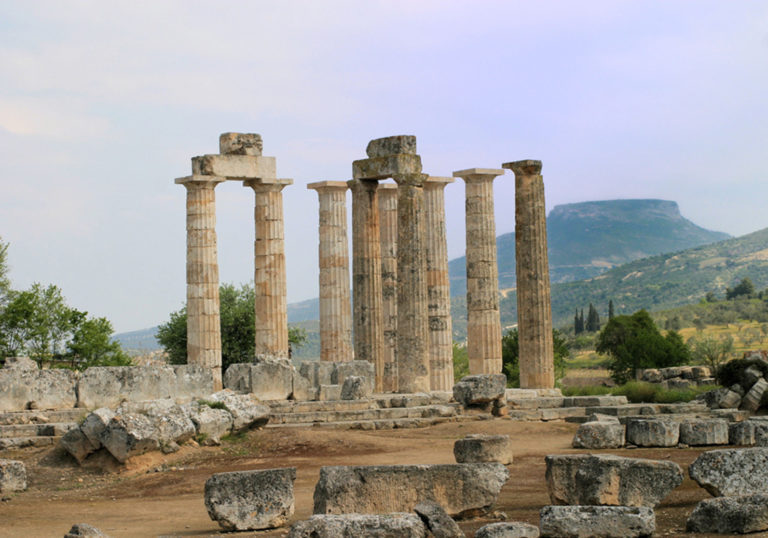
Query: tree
x: 578, y: 323
x: 92, y: 345
x: 699, y: 324
x: 5, y: 283
x: 745, y: 288
x: 611, y: 315
x: 710, y: 350
x: 460, y: 361
x: 510, y: 354
x: 593, y: 320
x: 634, y: 342
x: 237, y: 328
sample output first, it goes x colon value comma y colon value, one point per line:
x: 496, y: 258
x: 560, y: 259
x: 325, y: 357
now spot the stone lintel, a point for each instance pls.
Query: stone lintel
x: 328, y: 185
x: 199, y: 178
x: 416, y: 180
x: 388, y: 186
x: 525, y: 167
x: 391, y: 145
x: 438, y: 180
x: 478, y: 172
x: 235, y: 166
x: 253, y: 183
x: 240, y: 144
x: 387, y: 166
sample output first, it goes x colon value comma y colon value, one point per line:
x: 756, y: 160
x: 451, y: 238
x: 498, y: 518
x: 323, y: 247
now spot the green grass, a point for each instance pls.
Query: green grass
x: 641, y: 392
x: 587, y: 391
x: 213, y: 404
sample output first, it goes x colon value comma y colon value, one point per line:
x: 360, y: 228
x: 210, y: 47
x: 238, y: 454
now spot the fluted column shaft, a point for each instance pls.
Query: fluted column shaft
x: 412, y: 313
x: 483, y: 320
x: 203, y: 320
x: 366, y: 274
x: 388, y: 226
x: 269, y: 277
x: 438, y: 286
x: 335, y: 309
x: 534, y: 304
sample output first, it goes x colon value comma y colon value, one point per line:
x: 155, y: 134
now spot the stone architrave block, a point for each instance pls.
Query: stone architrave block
x: 479, y: 389
x: 600, y: 435
x: 400, y: 525
x: 652, y: 432
x: 391, y: 145
x: 730, y: 515
x: 507, y: 529
x: 84, y: 530
x: 235, y: 166
x: 95, y: 423
x: 129, y: 435
x: 702, y: 432
x: 440, y: 524
x: 302, y: 388
x: 108, y: 386
x: 251, y: 500
x: 364, y: 369
x: 481, y: 448
x: 604, y: 479
x: 318, y: 372
x: 727, y: 399
x: 463, y: 489
x: 247, y: 412
x: 355, y: 388
x: 597, y: 521
x: 22, y: 388
x: 387, y: 166
x: 13, y: 476
x: 240, y: 144
x: 267, y: 379
x: 752, y: 399
x: 732, y: 472
x: 20, y: 363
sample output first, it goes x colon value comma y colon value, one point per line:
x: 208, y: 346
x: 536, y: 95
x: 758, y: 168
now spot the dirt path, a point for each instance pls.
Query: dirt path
x: 163, y: 495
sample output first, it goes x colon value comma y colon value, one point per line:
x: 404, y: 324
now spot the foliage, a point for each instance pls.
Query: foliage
x: 593, y: 320
x: 92, y: 345
x: 730, y: 373
x: 510, y: 352
x: 237, y: 328
x: 641, y: 392
x: 460, y: 361
x: 745, y: 288
x: 634, y: 342
x: 611, y: 314
x: 5, y: 283
x: 711, y: 350
x: 213, y: 404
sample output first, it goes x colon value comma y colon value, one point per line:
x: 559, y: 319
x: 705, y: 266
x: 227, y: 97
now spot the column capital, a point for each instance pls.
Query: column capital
x: 526, y: 167
x: 437, y: 182
x: 199, y: 180
x: 482, y: 174
x: 363, y: 184
x: 328, y: 185
x: 267, y: 184
x: 411, y: 179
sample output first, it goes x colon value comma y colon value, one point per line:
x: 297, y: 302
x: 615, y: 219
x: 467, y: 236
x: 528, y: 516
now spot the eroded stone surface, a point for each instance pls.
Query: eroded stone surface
x: 355, y: 388
x: 597, y: 521
x: 84, y: 530
x: 507, y: 529
x: 481, y: 448
x: 22, y: 388
x: 752, y: 399
x: 396, y: 525
x: 701, y: 432
x: 440, y: 524
x: 13, y: 476
x: 732, y: 472
x: 240, y: 144
x: 246, y: 411
x: 479, y: 389
x: 391, y: 145
x: 730, y: 515
x: 599, y: 434
x: 652, y: 432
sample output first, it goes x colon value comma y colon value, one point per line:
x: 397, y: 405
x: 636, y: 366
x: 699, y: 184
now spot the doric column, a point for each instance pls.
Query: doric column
x: 203, y: 321
x: 412, y: 313
x: 438, y: 286
x: 269, y: 269
x: 388, y: 225
x: 366, y: 274
x: 335, y: 310
x: 483, y: 321
x: 534, y: 305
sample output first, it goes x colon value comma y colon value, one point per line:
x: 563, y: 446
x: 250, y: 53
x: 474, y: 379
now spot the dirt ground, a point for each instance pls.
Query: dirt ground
x: 162, y: 495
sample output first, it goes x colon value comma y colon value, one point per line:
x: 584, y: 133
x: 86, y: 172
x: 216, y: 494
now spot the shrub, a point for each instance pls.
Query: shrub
x: 730, y: 372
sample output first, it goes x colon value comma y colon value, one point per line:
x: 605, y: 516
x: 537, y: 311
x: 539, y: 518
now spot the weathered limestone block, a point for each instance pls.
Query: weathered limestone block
x: 78, y: 445
x: 732, y: 472
x: 247, y: 412
x: 652, y: 432
x: 507, y: 529
x: 84, y: 530
x: 20, y: 363
x: 752, y: 399
x: 701, y: 432
x: 364, y: 369
x: 730, y: 515
x: 170, y: 421
x: 302, y: 388
x: 603, y: 479
x: 745, y: 433
x: 701, y: 372
x: 240, y: 144
x: 599, y: 417
x: 266, y: 379
x: 329, y: 393
x: 391, y: 145
x: 463, y: 489
x: 107, y: 386
x: 210, y: 423
x: 480, y: 448
x: 479, y: 389
x: 95, y: 423
x: 652, y: 375
x: 597, y: 521
x: 750, y: 376
x: 440, y: 524
x: 317, y: 372
x: 191, y: 381
x: 398, y: 525
x: 680, y: 384
x: 251, y: 500
x: 22, y: 388
x: 129, y: 435
x: 386, y: 166
x: 721, y: 399
x: 355, y: 388
x: 235, y: 166
x: 599, y: 435
x: 13, y: 476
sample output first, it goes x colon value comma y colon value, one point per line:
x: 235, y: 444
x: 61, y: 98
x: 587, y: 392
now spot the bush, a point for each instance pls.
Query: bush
x: 510, y: 352
x: 642, y: 392
x: 730, y: 372
x: 638, y: 391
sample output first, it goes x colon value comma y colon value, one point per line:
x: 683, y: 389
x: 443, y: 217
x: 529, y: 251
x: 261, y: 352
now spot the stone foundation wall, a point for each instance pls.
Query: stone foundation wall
x: 676, y: 377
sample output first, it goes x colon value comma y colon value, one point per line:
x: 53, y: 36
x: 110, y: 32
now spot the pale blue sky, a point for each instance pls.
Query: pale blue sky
x: 103, y: 103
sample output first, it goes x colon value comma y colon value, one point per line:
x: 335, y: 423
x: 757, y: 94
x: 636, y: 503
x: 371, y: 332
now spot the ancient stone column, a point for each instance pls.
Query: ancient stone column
x: 335, y: 309
x: 269, y: 278
x: 534, y: 304
x: 438, y: 286
x: 203, y: 321
x: 366, y: 275
x: 388, y: 225
x: 412, y: 311
x: 483, y: 321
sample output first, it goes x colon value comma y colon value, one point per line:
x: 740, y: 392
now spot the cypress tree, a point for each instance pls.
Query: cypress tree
x: 610, y: 310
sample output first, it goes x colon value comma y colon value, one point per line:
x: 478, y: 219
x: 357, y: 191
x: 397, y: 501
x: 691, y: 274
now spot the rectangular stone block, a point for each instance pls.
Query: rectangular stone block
x: 391, y: 145
x: 343, y: 370
x: 235, y: 166
x: 386, y: 167
x: 107, y: 386
x: 42, y: 389
x: 267, y: 379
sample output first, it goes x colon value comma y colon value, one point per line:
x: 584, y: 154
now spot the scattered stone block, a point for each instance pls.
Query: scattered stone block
x: 652, y: 375
x: 440, y: 524
x: 251, y: 500
x: 732, y: 472
x: 600, y: 435
x: 701, y: 372
x: 680, y: 384
x: 604, y: 479
x: 94, y: 425
x: 652, y: 432
x: 730, y: 515
x: 752, y: 399
x: 600, y: 417
x: 481, y: 448
x: 480, y: 389
x: 400, y: 525
x: 210, y: 423
x: 78, y: 445
x: 355, y: 388
x: 129, y: 435
x: 247, y: 412
x: 597, y: 521
x: 464, y: 489
x: 507, y: 529
x: 702, y: 432
x: 240, y: 144
x: 13, y: 476
x: 84, y: 530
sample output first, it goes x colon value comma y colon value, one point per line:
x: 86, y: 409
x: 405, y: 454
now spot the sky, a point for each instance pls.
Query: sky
x: 103, y: 103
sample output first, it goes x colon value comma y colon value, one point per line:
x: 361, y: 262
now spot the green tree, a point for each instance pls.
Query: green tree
x: 5, y: 283
x: 92, y: 345
x: 510, y: 355
x: 611, y: 314
x: 460, y: 361
x: 745, y: 288
x: 711, y: 350
x: 237, y: 328
x: 634, y: 342
x: 593, y: 320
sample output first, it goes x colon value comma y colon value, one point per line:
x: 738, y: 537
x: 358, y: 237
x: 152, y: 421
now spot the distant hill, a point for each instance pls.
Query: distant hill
x: 588, y: 238
x: 141, y: 340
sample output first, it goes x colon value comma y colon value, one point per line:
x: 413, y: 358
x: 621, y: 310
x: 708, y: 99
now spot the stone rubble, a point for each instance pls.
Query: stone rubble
x: 13, y: 476
x: 394, y: 525
x: 482, y: 448
x: 732, y: 472
x: 440, y: 524
x: 600, y: 435
x: 508, y: 529
x: 730, y: 515
x: 597, y: 521
x: 84, y: 530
